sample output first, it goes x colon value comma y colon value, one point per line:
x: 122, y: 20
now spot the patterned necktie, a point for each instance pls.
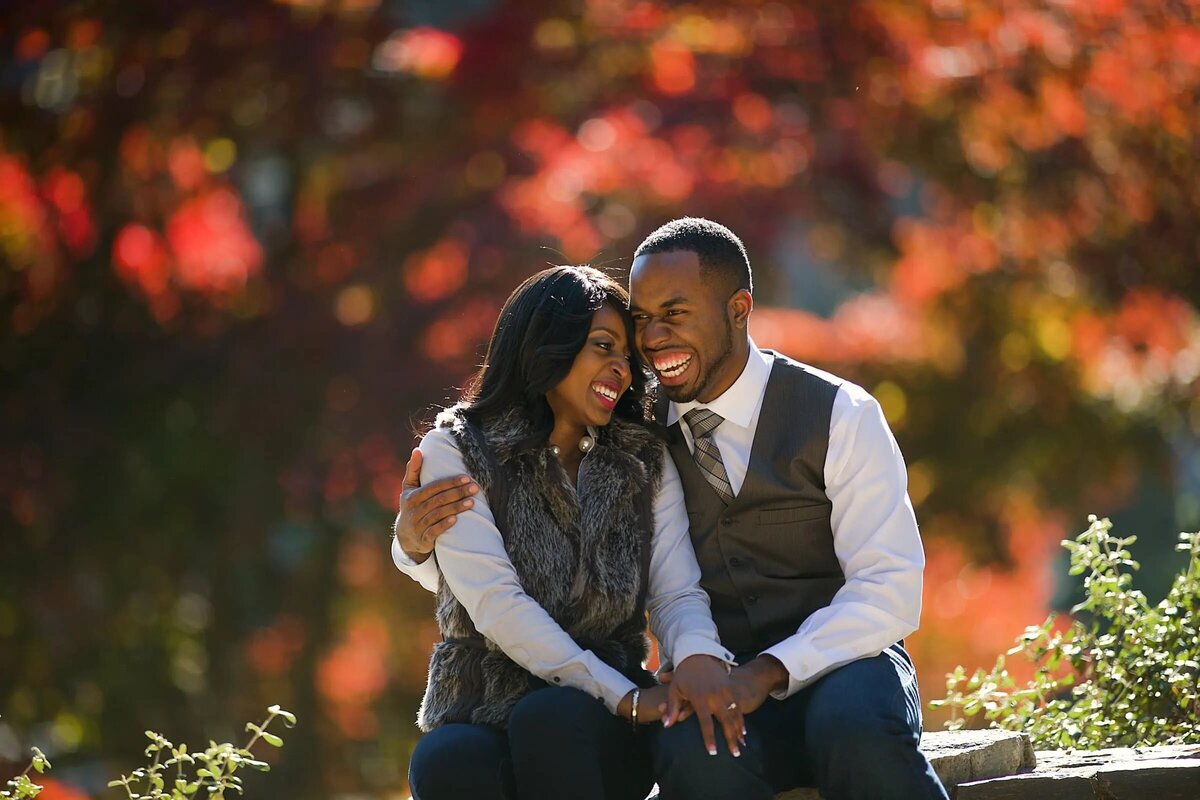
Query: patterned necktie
x: 708, y: 457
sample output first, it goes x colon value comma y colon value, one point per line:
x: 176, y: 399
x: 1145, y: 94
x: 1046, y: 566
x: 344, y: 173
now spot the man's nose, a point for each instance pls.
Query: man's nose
x: 653, y: 333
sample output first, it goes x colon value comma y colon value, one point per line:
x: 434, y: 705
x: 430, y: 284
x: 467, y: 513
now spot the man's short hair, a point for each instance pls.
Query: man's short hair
x: 719, y: 249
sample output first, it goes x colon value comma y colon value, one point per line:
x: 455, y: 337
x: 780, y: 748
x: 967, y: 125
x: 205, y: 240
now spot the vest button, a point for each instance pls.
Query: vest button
x: 752, y: 599
x: 735, y: 562
x: 726, y: 520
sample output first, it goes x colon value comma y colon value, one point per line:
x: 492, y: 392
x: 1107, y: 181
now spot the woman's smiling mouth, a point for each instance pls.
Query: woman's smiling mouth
x: 607, y: 393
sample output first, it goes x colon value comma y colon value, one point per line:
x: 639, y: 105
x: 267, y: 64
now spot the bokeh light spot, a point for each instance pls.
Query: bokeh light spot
x: 554, y: 34
x: 894, y: 403
x: 355, y: 305
x: 219, y: 155
x: 485, y: 170
x: 425, y: 52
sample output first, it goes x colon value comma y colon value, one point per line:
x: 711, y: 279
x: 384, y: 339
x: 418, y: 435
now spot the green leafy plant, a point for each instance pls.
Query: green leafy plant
x: 22, y: 787
x: 210, y: 773
x: 1123, y: 673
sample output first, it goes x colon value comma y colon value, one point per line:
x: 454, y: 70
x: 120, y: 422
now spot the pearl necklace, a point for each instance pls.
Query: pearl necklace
x: 585, y: 445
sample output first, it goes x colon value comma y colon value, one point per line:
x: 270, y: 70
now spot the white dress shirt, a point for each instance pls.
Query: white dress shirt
x: 875, y: 532
x: 472, y: 559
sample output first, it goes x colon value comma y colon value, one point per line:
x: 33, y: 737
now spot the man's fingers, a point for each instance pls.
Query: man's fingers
x: 440, y: 528
x: 439, y: 492
x: 439, y: 513
x: 412, y: 471
x: 675, y: 703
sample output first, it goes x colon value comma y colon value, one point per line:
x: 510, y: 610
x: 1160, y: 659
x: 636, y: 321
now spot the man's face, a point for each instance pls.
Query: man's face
x: 683, y: 325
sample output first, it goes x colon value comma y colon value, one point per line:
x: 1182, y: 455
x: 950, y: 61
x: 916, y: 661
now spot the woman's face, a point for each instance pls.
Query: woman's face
x: 599, y: 375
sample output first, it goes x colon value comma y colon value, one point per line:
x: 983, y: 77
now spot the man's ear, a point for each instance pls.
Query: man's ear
x: 740, y: 306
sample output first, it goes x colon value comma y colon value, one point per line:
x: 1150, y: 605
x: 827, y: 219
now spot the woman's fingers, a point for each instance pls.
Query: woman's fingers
x: 733, y: 724
x: 707, y: 731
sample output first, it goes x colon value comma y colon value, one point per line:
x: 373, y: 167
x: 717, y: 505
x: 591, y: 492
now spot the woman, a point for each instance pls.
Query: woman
x: 546, y: 580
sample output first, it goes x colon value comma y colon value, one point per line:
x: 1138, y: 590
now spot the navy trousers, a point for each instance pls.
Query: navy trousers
x: 853, y: 734
x: 560, y: 743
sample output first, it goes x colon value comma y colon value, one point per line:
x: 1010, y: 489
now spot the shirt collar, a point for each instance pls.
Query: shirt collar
x: 738, y: 403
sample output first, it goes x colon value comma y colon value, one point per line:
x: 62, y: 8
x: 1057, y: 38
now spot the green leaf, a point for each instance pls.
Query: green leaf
x: 272, y: 739
x: 288, y: 717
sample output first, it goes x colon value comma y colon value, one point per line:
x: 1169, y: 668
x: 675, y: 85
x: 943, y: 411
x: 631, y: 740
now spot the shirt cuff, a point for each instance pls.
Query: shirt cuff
x: 426, y: 573
x: 800, y: 671
x: 612, y: 685
x: 693, y: 644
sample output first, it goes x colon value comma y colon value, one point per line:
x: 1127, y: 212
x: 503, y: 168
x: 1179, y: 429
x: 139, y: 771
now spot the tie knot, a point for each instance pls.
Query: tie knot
x: 702, y: 421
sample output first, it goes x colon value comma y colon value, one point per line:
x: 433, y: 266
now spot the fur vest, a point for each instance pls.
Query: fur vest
x: 581, y: 553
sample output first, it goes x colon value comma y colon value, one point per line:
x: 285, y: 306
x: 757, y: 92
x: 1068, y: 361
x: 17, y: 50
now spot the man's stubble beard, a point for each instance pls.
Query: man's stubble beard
x: 679, y: 395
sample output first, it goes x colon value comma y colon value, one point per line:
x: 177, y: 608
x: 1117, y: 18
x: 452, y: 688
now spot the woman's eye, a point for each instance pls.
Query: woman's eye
x: 604, y: 345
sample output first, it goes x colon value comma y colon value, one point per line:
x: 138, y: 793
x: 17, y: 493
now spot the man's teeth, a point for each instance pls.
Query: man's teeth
x: 607, y: 391
x: 671, y: 367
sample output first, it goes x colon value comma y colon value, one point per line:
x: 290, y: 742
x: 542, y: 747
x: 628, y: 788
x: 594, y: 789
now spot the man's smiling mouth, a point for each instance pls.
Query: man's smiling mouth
x: 672, y: 366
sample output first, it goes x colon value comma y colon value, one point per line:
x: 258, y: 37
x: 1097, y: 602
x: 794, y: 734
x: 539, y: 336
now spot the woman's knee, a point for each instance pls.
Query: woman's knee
x: 458, y: 761
x: 554, y: 709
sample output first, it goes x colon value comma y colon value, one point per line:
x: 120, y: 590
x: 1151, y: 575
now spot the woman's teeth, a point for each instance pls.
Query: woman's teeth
x: 605, y: 391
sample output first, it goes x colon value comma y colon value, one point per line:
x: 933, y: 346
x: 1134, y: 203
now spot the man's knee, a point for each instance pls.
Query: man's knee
x: 685, y: 768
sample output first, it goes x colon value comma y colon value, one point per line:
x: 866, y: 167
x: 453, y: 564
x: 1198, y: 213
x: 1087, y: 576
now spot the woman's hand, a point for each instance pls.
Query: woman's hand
x: 652, y: 704
x: 701, y: 685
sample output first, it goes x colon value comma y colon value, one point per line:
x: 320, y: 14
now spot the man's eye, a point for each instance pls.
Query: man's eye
x: 675, y: 312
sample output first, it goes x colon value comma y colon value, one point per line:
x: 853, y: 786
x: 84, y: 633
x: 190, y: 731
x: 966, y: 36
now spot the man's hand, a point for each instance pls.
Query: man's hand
x: 428, y: 512
x: 702, y: 683
x: 754, y: 681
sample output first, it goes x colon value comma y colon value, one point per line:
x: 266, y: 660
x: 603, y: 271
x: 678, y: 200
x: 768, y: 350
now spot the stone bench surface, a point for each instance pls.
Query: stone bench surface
x: 1147, y: 773
x: 963, y: 756
x: 1002, y: 765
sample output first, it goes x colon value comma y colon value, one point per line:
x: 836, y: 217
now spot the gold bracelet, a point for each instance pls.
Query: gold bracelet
x: 633, y: 717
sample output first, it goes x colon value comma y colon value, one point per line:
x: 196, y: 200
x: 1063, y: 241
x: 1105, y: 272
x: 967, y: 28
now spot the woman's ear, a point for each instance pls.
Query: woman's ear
x: 740, y: 306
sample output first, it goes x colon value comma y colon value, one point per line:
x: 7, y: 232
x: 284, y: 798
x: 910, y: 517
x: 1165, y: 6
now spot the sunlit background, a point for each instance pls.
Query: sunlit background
x: 246, y: 246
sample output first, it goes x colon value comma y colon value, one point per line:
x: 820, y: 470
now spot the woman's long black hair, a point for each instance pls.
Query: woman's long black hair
x: 541, y: 328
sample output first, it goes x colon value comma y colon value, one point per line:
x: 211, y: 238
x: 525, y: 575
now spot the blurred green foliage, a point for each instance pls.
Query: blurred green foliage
x: 1124, y: 673
x: 167, y: 762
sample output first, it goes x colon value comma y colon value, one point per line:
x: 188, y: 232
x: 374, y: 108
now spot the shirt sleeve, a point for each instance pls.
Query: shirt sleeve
x: 476, y: 568
x: 678, y: 607
x: 426, y: 573
x: 877, y: 543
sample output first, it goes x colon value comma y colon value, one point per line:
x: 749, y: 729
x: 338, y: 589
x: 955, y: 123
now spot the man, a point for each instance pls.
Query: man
x: 807, y: 542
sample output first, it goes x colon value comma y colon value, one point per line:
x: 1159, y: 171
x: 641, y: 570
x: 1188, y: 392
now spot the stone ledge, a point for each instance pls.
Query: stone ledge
x: 1001, y: 765
x: 962, y: 756
x: 1150, y: 773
